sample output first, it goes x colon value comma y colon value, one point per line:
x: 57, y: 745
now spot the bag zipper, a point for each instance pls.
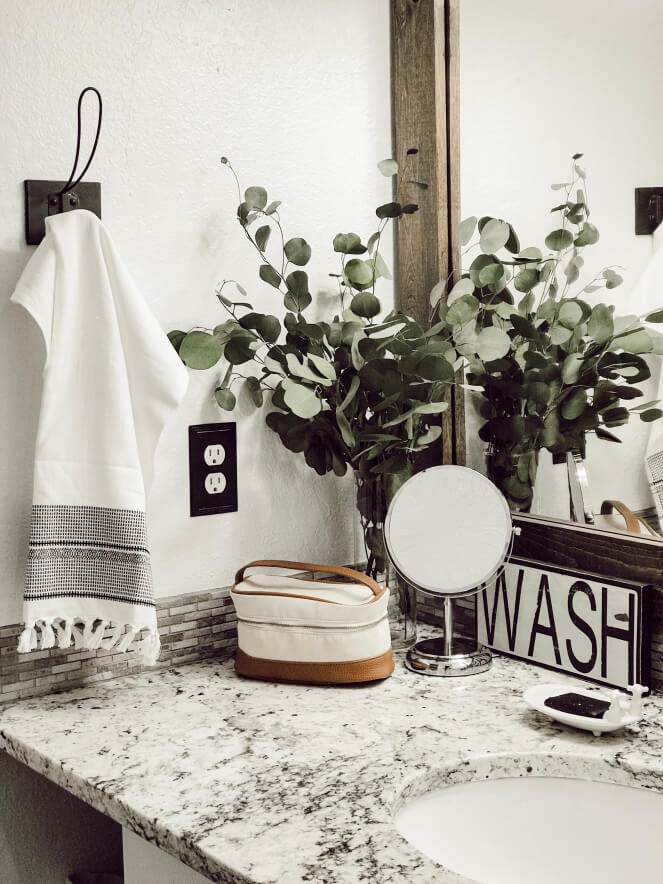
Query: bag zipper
x: 301, y: 625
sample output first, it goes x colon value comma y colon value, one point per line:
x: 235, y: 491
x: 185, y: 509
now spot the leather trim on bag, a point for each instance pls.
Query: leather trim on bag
x: 338, y: 570
x: 346, y: 672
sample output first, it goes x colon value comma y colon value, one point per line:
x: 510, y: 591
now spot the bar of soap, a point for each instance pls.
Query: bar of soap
x: 578, y: 704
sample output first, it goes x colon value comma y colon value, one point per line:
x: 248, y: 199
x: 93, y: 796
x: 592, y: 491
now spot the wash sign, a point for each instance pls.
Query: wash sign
x: 575, y: 623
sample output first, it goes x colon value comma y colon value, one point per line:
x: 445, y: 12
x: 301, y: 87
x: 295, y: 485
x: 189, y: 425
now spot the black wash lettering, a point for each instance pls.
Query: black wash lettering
x: 625, y: 635
x: 582, y: 588
x: 511, y: 624
x: 538, y: 628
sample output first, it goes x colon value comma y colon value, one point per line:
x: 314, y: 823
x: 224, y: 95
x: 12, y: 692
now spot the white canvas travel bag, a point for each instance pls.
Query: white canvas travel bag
x: 311, y: 631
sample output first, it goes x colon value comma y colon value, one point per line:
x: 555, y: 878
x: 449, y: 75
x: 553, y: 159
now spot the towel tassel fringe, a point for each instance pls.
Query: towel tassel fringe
x: 26, y: 639
x: 126, y: 640
x: 63, y: 631
x: 47, y: 635
x: 110, y: 642
x: 78, y: 635
x: 149, y: 648
x: 107, y: 635
x: 95, y: 638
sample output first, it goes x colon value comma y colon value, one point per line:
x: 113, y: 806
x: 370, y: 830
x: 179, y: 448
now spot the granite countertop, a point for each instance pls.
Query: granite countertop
x: 253, y: 782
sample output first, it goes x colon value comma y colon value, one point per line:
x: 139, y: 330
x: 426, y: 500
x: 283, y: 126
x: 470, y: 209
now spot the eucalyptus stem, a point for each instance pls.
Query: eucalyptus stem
x: 337, y: 400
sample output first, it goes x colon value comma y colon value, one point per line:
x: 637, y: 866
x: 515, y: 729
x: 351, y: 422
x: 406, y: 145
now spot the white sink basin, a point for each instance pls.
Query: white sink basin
x: 540, y: 829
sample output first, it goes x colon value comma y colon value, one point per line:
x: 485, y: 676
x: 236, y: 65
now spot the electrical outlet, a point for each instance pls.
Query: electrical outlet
x: 214, y: 455
x: 215, y: 483
x: 212, y: 469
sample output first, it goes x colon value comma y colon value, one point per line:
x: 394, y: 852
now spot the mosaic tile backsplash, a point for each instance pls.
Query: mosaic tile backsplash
x: 193, y: 626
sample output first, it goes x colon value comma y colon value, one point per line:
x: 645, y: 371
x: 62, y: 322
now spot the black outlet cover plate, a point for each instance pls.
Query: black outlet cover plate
x: 200, y: 436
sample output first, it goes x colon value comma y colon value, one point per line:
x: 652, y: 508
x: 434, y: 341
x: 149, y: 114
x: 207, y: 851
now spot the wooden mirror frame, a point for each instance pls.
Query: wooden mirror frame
x: 425, y: 116
x: 425, y: 78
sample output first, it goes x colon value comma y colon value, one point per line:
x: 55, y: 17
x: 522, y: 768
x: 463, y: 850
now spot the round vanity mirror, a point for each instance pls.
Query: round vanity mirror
x: 448, y: 532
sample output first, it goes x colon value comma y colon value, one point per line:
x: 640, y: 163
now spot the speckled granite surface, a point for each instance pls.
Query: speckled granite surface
x: 246, y: 781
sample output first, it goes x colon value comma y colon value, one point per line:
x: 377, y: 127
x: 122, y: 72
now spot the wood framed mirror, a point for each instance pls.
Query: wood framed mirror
x: 425, y: 119
x: 462, y: 99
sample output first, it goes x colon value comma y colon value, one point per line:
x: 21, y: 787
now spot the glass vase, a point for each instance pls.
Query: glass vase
x: 513, y: 469
x: 402, y: 610
x: 374, y: 494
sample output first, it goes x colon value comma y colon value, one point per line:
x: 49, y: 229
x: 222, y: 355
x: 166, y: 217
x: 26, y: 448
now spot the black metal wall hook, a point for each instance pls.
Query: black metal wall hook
x: 44, y: 198
x: 71, y: 184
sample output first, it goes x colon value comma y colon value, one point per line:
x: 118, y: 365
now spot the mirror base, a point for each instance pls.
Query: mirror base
x: 427, y: 657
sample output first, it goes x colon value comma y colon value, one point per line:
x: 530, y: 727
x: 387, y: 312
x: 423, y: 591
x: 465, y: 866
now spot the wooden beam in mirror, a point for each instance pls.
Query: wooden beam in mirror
x: 425, y: 119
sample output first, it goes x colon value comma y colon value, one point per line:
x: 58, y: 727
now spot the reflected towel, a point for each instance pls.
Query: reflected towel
x: 645, y: 297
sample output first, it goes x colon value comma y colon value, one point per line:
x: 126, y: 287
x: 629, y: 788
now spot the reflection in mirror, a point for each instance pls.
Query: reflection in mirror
x: 558, y: 310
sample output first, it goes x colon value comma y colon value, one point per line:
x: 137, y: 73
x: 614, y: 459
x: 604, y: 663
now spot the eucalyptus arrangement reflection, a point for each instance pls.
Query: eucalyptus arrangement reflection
x: 550, y: 367
x: 354, y: 391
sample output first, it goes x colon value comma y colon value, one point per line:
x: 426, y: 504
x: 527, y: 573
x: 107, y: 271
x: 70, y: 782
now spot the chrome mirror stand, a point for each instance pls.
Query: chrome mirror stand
x: 448, y: 655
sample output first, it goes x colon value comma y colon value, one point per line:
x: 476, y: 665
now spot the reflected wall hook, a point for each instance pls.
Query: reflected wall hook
x: 44, y: 198
x: 648, y: 209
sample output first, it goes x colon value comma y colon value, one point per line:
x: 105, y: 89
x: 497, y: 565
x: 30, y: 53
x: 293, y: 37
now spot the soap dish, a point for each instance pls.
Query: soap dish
x: 622, y: 710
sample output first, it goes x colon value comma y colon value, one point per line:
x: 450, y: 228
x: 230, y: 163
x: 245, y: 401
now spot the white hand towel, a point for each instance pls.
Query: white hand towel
x: 111, y: 380
x: 645, y: 297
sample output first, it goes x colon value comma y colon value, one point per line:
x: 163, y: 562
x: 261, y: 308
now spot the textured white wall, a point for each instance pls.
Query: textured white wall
x: 297, y: 95
x: 539, y: 82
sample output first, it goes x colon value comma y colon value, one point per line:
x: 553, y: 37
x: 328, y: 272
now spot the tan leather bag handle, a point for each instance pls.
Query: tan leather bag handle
x: 634, y: 524
x: 338, y: 570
